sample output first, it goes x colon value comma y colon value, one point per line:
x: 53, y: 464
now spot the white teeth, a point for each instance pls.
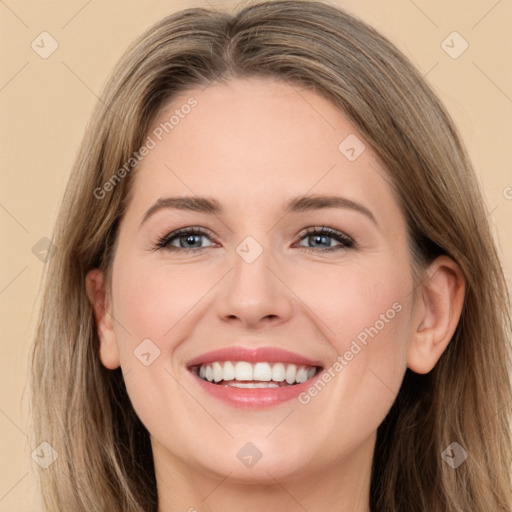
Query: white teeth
x: 253, y: 385
x: 243, y: 371
x: 302, y: 375
x: 229, y: 371
x: 217, y: 372
x: 279, y: 372
x: 291, y: 373
x: 262, y: 371
x: 233, y: 372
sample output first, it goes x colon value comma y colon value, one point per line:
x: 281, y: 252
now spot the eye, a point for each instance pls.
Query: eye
x: 325, y: 236
x: 186, y: 239
x: 189, y: 240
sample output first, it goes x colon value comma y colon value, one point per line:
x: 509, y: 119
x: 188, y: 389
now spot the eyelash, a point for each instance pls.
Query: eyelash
x: 346, y: 241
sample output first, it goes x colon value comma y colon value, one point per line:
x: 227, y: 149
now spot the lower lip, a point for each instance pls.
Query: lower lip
x: 253, y: 398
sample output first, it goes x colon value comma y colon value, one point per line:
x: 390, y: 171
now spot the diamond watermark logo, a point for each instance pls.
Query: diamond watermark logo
x: 454, y: 45
x: 44, y: 249
x: 249, y: 455
x: 44, y: 455
x: 351, y: 147
x: 146, y: 352
x: 454, y: 455
x: 249, y: 249
x: 44, y: 45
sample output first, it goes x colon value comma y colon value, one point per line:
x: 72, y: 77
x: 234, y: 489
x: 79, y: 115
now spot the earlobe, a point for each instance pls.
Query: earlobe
x: 438, y: 308
x: 109, y: 351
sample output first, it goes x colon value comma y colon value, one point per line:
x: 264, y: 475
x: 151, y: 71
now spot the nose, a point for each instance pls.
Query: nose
x: 254, y: 295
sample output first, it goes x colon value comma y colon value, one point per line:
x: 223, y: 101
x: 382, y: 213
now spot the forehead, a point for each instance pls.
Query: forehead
x: 255, y: 141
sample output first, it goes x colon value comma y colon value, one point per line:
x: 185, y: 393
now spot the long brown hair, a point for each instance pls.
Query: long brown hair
x: 82, y: 409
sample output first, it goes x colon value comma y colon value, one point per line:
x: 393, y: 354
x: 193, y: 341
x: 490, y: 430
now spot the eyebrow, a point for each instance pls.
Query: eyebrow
x: 295, y: 205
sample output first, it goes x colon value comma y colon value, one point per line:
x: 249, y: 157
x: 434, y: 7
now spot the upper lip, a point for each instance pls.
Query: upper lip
x: 252, y: 355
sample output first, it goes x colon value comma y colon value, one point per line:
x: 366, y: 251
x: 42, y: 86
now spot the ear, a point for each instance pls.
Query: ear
x: 437, y: 313
x: 109, y: 352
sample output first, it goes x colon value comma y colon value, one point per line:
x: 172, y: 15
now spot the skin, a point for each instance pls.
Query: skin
x: 252, y: 145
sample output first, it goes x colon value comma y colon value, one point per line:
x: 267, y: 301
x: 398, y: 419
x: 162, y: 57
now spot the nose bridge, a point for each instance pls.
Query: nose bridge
x: 253, y: 293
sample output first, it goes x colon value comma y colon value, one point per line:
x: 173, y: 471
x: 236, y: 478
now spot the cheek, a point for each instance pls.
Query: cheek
x: 365, y: 316
x: 370, y: 315
x: 358, y: 303
x: 150, y: 301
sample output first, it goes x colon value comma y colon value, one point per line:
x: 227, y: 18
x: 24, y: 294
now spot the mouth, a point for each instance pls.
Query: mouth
x: 253, y: 378
x: 247, y: 375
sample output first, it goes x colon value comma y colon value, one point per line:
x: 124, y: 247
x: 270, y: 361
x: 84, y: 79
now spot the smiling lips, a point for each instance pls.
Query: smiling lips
x: 253, y: 378
x: 243, y: 374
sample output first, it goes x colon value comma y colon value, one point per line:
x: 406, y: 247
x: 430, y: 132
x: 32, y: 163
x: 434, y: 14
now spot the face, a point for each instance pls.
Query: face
x: 300, y: 263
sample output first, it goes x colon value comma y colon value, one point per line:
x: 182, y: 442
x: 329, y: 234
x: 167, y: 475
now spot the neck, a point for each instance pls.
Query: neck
x: 343, y: 486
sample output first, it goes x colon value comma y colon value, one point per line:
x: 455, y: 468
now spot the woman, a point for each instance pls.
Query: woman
x: 276, y: 286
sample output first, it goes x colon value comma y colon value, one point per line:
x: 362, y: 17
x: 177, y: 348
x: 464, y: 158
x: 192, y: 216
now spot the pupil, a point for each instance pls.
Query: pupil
x: 320, y: 238
x: 191, y: 239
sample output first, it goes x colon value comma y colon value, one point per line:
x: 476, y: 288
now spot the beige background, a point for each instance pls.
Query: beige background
x: 45, y: 104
